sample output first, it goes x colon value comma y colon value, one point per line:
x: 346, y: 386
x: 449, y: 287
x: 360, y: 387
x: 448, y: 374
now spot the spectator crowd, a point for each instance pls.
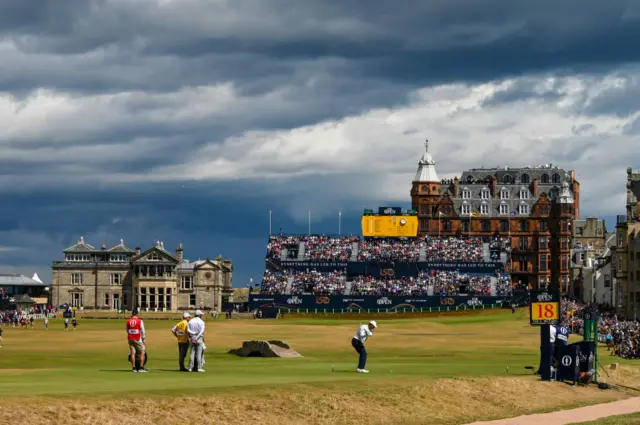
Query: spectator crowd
x: 340, y: 248
x: 621, y: 335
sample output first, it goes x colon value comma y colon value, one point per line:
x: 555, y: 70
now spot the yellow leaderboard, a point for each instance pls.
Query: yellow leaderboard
x: 389, y: 226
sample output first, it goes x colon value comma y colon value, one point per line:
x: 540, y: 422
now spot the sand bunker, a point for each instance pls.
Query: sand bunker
x: 265, y: 349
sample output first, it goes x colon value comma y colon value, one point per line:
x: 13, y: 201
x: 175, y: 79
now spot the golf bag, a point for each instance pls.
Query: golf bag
x: 138, y: 365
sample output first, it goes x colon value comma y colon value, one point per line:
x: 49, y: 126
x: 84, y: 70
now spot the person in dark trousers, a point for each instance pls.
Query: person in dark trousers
x: 358, y: 340
x: 182, y: 336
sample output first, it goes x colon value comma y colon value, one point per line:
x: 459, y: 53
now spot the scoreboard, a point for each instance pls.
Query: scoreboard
x: 545, y: 308
x: 379, y: 226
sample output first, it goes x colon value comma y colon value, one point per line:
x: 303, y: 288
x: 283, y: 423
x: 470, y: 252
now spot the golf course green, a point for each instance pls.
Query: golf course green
x: 462, y: 354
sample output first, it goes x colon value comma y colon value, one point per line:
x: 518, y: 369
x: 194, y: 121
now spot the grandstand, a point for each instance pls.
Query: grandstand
x: 350, y: 266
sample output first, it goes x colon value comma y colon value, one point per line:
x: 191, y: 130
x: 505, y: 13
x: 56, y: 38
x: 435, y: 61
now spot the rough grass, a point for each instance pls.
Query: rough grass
x: 423, y: 371
x: 633, y: 419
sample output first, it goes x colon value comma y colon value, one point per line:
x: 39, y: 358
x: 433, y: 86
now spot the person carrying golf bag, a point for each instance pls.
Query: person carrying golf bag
x: 358, y: 340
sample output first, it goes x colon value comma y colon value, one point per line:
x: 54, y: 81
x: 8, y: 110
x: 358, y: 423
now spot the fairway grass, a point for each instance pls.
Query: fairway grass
x: 423, y: 370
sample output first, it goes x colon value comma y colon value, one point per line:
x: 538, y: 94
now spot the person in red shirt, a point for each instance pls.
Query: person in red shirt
x: 136, y: 337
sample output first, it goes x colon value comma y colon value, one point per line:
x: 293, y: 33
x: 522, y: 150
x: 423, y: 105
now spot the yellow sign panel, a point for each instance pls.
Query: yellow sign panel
x: 545, y: 313
x: 389, y: 226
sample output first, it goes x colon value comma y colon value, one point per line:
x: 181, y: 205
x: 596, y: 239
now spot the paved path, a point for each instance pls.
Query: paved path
x: 582, y: 414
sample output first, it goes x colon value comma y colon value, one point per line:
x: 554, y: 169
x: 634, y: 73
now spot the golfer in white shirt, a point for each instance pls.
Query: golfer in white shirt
x: 195, y: 328
x: 364, y: 332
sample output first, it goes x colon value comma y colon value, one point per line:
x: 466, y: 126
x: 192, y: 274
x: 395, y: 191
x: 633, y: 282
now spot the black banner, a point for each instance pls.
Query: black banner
x: 393, y: 269
x: 389, y: 211
x: 367, y: 302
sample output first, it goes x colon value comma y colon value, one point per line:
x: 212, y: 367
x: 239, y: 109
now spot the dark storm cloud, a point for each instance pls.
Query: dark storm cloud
x: 418, y: 43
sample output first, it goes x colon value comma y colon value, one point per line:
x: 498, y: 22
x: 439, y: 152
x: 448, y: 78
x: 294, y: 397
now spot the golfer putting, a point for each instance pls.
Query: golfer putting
x: 364, y: 332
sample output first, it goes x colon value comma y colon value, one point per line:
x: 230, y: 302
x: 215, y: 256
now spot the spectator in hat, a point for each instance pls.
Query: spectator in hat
x: 195, y: 329
x: 181, y: 334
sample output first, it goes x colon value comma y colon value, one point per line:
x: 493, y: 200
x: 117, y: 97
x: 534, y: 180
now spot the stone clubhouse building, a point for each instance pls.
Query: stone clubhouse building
x: 121, y: 278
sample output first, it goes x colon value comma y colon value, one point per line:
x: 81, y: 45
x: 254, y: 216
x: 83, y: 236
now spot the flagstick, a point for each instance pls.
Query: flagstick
x: 339, y: 223
x: 269, y: 222
x: 309, y: 222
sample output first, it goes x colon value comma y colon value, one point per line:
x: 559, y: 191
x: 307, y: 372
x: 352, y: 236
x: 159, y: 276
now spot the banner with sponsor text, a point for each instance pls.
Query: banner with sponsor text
x: 367, y: 302
x: 391, y: 269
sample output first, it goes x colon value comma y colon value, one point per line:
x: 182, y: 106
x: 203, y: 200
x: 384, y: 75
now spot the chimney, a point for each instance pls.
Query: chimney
x: 456, y: 187
x: 534, y: 187
x: 138, y: 251
x: 573, y: 175
x: 103, y: 247
x: 179, y: 252
x: 492, y: 185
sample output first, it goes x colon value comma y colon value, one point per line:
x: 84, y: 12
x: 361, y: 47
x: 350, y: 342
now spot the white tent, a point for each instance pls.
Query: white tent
x: 36, y: 278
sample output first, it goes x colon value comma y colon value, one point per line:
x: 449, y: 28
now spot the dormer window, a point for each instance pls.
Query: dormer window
x: 524, y: 209
x: 555, y: 179
x: 525, y: 179
x: 118, y: 258
x: 466, y: 209
x: 153, y: 256
x: 524, y: 194
x: 504, y: 194
x: 484, y: 209
x: 484, y: 194
x: 77, y: 257
x: 544, y: 179
x: 507, y: 179
x: 504, y: 209
x: 466, y: 193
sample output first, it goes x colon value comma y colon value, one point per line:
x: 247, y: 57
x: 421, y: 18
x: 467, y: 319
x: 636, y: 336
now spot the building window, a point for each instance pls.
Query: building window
x: 424, y: 209
x: 524, y: 178
x: 447, y: 225
x: 116, y: 279
x: 524, y: 194
x: 607, y: 281
x: 507, y: 179
x: 524, y: 226
x: 504, y: 226
x: 466, y: 209
x: 564, y: 243
x: 543, y: 262
x: 76, y: 279
x: 153, y: 256
x: 544, y: 179
x: 192, y: 300
x: 485, y: 226
x: 118, y: 258
x: 77, y: 257
x: 563, y: 265
x: 565, y: 226
x: 581, y: 257
x: 543, y: 226
x: 186, y: 282
x: 524, y: 243
x: 504, y: 209
x: 424, y: 225
x: 466, y: 194
x: 524, y: 209
x: 484, y: 194
x: 504, y: 194
x: 545, y: 211
x: 466, y: 227
x: 484, y: 209
x: 555, y: 178
x: 106, y: 300
x: 564, y: 284
x: 543, y: 243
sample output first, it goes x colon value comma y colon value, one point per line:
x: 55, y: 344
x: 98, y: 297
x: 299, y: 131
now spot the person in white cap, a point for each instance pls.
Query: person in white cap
x: 181, y: 334
x: 364, y: 332
x: 196, y: 338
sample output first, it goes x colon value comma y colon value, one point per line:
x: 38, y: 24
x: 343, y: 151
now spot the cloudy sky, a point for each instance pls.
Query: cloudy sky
x: 189, y: 120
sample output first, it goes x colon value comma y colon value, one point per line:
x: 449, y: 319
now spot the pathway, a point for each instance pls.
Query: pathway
x: 565, y: 417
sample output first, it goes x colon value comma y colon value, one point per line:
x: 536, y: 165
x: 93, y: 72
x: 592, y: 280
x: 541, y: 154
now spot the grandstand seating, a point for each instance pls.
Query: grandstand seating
x: 334, y: 249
